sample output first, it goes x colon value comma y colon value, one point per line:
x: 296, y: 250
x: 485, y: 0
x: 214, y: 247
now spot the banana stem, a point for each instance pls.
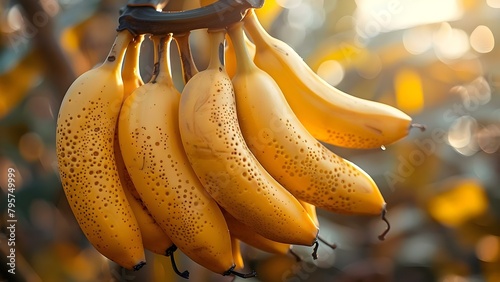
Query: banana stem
x: 315, y: 250
x: 257, y: 32
x: 217, y: 38
x: 242, y: 275
x: 188, y: 65
x: 145, y: 19
x: 381, y: 237
x: 164, y: 73
x: 244, y: 61
x: 156, y: 58
x: 131, y: 63
x: 422, y: 127
x: 332, y: 246
x: 115, y: 56
x: 170, y: 253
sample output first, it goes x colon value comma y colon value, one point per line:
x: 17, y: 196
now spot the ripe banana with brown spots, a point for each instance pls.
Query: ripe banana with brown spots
x: 155, y: 159
x: 329, y: 114
x: 85, y: 149
x: 286, y: 149
x: 225, y: 165
x: 249, y: 236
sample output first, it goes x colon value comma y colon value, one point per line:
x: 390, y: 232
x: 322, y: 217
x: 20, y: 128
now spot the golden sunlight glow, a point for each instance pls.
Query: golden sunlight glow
x: 375, y: 16
x: 487, y: 248
x: 462, y: 202
x: 418, y: 40
x: 331, y: 71
x: 493, y: 3
x: 409, y: 93
x: 482, y: 39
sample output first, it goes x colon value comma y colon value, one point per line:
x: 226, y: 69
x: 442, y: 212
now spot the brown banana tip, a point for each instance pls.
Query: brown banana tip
x: 333, y: 246
x: 422, y: 127
x: 295, y: 255
x: 315, y: 250
x: 170, y: 253
x: 139, y: 265
x: 381, y: 237
x: 231, y: 271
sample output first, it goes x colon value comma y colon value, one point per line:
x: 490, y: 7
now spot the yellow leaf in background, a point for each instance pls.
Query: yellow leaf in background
x: 460, y: 203
x: 409, y: 93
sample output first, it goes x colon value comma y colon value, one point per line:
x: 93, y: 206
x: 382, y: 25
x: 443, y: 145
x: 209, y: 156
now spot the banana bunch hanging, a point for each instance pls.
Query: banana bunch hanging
x: 231, y: 159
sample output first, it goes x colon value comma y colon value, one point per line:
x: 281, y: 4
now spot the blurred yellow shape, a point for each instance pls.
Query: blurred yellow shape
x: 463, y: 201
x: 162, y: 270
x: 268, y: 13
x: 453, y: 278
x: 487, y: 248
x: 31, y: 146
x: 409, y: 93
x: 16, y: 82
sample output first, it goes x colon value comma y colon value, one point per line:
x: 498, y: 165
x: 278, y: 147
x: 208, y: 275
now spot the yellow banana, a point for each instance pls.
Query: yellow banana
x: 159, y: 168
x: 85, y: 132
x: 329, y: 114
x: 153, y: 237
x: 246, y: 234
x: 288, y: 151
x: 225, y: 165
x: 311, y: 211
x: 131, y: 74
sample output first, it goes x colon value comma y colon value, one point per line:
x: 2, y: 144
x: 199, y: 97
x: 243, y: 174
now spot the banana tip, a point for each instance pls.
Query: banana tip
x: 381, y: 237
x: 139, y: 265
x: 422, y: 127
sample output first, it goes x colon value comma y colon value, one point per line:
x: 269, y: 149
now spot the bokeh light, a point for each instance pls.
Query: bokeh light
x: 331, y: 71
x: 482, y: 39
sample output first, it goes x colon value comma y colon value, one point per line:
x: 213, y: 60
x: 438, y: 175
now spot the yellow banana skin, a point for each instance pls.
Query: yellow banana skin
x: 153, y: 237
x: 159, y: 168
x: 84, y: 141
x: 249, y: 236
x: 225, y: 165
x: 286, y: 149
x: 329, y: 114
x: 311, y: 211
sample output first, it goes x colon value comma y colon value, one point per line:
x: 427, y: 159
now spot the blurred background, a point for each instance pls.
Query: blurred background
x: 436, y: 60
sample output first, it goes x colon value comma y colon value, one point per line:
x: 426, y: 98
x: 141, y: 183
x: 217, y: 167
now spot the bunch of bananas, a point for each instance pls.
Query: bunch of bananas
x: 232, y: 159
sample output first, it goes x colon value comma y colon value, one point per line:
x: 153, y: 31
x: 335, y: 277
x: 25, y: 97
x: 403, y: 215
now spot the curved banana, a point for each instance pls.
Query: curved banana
x: 159, y: 168
x: 224, y: 164
x: 288, y: 151
x: 249, y: 236
x: 329, y: 114
x: 85, y: 132
x: 131, y: 75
